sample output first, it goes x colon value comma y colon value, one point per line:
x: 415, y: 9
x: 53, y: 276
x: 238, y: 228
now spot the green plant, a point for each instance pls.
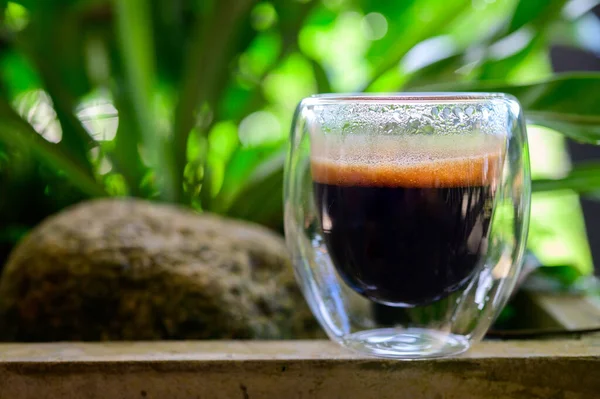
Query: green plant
x: 204, y: 90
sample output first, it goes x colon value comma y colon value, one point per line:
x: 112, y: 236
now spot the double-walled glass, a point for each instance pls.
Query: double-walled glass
x: 406, y: 216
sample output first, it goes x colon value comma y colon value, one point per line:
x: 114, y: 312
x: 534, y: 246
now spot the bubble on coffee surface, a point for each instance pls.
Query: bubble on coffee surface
x: 408, y: 161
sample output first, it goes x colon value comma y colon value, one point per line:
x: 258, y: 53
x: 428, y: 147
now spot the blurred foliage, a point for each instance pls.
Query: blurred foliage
x: 557, y: 233
x: 190, y: 101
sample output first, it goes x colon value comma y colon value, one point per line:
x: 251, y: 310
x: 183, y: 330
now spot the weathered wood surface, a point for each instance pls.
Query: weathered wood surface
x: 295, y: 369
x: 565, y: 368
x: 571, y: 312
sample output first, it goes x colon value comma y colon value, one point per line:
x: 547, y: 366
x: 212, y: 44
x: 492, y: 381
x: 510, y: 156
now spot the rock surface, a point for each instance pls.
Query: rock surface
x: 133, y: 270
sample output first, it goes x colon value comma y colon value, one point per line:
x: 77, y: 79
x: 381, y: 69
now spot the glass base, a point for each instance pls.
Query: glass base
x: 409, y: 343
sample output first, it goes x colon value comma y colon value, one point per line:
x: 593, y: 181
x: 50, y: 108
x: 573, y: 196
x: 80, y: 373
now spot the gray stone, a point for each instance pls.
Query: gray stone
x: 124, y: 269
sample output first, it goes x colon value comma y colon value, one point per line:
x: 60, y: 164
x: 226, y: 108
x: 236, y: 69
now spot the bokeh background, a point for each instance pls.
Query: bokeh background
x: 190, y: 101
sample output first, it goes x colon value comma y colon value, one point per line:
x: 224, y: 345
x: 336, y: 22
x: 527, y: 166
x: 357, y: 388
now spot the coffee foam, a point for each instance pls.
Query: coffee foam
x: 412, y: 161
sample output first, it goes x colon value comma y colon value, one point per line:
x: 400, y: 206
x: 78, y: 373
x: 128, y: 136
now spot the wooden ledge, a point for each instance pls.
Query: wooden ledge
x: 295, y: 369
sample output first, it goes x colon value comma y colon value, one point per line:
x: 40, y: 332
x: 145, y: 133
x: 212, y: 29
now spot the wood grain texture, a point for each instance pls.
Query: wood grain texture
x: 295, y: 369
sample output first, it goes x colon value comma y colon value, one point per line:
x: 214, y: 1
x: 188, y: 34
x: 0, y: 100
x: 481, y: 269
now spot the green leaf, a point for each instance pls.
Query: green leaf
x: 260, y: 199
x: 243, y: 168
x: 75, y: 139
x: 584, y: 178
x: 207, y: 183
x: 440, y: 71
x: 534, y: 15
x: 135, y: 38
x: 292, y: 16
x: 502, y: 68
x: 240, y: 99
x: 536, y: 12
x: 407, y: 29
x: 564, y: 275
x: 125, y: 153
x: 212, y: 47
x: 54, y: 42
x: 15, y: 131
x: 18, y: 74
x: 171, y: 30
x: 323, y: 85
x: 567, y: 103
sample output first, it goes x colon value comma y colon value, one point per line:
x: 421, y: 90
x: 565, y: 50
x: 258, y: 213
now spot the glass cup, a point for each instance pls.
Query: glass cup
x: 406, y: 216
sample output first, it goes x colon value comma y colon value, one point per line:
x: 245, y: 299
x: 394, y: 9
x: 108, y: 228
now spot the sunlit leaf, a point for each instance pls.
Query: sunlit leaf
x: 213, y: 45
x: 260, y: 55
x: 438, y: 72
x: 53, y: 43
x: 416, y: 22
x: 17, y: 132
x: 526, y: 29
x: 536, y: 12
x: 292, y: 15
x: 501, y: 68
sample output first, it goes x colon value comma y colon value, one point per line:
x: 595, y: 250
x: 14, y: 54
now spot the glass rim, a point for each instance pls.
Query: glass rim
x: 405, y: 98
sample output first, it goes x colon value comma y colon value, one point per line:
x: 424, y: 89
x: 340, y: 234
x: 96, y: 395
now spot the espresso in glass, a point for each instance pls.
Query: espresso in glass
x: 406, y: 224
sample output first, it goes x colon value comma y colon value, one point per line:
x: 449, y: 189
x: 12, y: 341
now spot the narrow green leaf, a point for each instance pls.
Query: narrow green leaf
x: 52, y: 41
x: 536, y: 12
x: 243, y: 168
x: 411, y: 31
x: 544, y: 12
x: 292, y: 16
x: 267, y: 167
x: 125, y: 153
x: 567, y: 103
x: 240, y: 101
x: 260, y: 200
x: 563, y: 275
x: 440, y: 71
x: 15, y: 131
x: 211, y: 49
x: 582, y: 128
x: 19, y: 75
x: 584, y: 178
x: 323, y: 85
x: 75, y: 138
x: 135, y: 38
x: 207, y: 183
x: 502, y: 68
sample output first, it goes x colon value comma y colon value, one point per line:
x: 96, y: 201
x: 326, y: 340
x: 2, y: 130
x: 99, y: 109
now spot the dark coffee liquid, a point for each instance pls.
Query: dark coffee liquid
x: 401, y: 245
